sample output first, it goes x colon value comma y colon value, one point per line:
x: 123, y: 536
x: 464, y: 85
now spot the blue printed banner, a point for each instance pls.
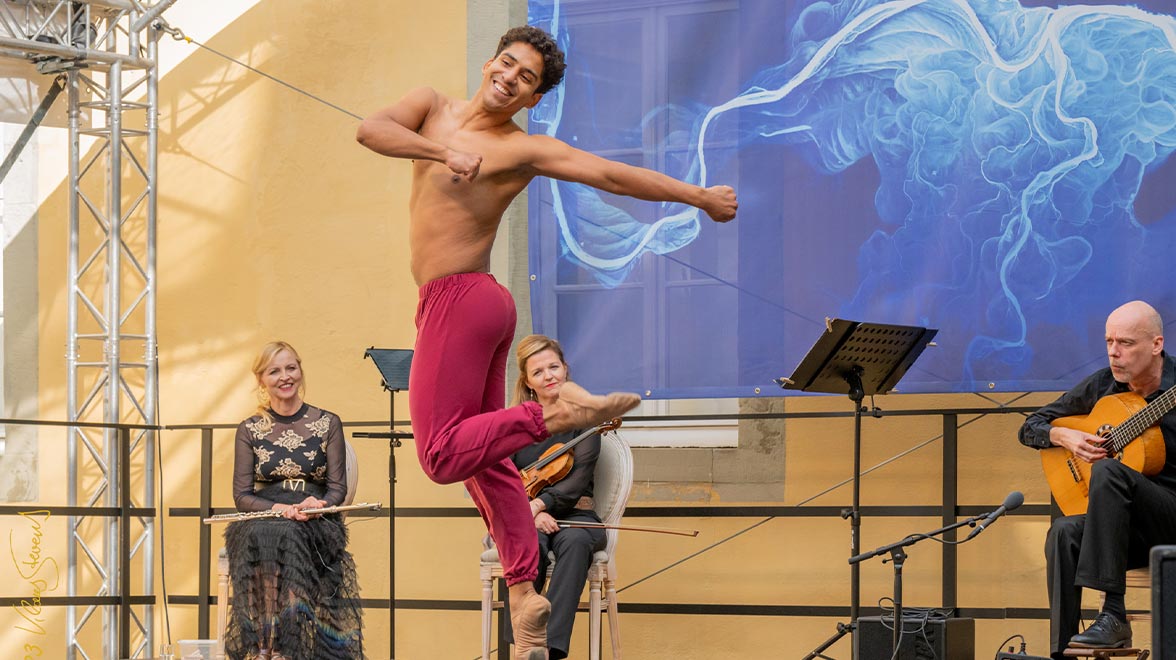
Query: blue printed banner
x: 998, y: 170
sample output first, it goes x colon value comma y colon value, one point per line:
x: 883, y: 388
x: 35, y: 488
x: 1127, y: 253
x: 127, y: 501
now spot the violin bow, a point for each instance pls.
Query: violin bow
x: 626, y: 528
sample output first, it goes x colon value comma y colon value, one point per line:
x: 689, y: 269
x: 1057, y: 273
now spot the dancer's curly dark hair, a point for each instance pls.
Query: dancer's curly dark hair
x: 553, y: 57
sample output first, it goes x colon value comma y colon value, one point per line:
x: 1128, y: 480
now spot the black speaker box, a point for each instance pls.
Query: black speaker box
x: 1163, y: 625
x: 923, y: 638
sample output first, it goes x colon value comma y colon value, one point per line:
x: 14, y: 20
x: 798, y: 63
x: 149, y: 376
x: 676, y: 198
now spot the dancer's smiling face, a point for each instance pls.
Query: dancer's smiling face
x: 510, y: 79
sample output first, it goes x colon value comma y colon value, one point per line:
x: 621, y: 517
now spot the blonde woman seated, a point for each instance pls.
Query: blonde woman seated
x: 294, y: 589
x: 542, y: 372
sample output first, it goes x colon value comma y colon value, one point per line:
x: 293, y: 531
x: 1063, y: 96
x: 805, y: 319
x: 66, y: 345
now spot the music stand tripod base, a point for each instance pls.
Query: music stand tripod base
x: 394, y: 365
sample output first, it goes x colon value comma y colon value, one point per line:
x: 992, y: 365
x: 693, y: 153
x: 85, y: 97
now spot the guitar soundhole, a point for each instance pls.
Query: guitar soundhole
x: 1104, y: 432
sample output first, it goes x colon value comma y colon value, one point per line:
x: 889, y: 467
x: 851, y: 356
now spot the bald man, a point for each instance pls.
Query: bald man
x: 1128, y: 512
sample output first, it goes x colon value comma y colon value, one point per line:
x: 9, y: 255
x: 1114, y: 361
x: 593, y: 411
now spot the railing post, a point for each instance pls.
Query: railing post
x: 950, y: 505
x: 124, y: 545
x: 503, y: 646
x: 205, y: 531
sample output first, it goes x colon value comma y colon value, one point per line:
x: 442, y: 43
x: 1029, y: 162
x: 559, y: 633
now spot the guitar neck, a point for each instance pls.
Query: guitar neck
x: 1135, y: 425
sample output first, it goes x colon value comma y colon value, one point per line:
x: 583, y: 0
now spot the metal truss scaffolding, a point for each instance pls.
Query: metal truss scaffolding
x: 106, y: 49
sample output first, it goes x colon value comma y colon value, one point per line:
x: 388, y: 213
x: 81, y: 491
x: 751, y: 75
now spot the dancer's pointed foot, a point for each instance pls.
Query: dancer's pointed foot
x: 528, y: 618
x: 577, y: 408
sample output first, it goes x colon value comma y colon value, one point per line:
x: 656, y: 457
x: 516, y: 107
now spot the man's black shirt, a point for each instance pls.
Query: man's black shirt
x: 1080, y: 400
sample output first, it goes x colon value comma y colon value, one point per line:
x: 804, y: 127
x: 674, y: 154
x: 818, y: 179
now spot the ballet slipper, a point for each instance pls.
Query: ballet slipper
x: 528, y: 619
x: 577, y: 408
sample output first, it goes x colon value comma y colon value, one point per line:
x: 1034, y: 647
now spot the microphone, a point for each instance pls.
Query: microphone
x: 1014, y: 500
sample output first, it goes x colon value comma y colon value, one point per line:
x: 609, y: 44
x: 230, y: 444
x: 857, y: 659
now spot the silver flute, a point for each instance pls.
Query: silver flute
x: 272, y: 513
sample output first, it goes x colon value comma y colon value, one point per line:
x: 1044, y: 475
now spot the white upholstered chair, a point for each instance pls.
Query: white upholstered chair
x: 613, y: 481
x: 222, y: 560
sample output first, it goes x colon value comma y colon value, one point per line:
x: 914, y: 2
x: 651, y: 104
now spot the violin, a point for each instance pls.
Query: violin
x: 557, y: 461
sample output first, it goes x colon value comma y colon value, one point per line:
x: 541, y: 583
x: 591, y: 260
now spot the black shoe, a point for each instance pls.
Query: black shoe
x: 1107, y: 632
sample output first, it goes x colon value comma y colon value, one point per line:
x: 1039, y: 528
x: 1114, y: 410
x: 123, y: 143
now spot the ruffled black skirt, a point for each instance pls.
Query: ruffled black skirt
x: 294, y: 585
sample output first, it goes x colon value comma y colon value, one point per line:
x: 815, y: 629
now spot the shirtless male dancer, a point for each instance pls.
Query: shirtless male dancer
x: 469, y: 161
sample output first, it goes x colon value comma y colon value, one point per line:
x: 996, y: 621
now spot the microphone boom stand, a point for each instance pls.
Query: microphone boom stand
x: 898, y: 557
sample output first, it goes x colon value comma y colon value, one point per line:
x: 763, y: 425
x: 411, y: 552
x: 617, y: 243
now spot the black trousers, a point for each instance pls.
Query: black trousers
x: 573, y: 549
x: 1127, y: 514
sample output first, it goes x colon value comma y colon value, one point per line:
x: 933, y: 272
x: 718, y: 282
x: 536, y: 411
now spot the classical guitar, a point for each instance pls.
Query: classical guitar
x: 1132, y: 437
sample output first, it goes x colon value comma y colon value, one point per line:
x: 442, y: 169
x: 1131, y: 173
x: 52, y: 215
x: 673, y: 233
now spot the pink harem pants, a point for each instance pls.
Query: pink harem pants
x: 457, y: 392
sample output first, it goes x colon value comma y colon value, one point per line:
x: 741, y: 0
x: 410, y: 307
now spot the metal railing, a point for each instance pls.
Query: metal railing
x: 948, y: 510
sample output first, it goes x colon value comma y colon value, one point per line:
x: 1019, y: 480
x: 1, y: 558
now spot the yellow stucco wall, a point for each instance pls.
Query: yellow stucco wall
x: 274, y: 223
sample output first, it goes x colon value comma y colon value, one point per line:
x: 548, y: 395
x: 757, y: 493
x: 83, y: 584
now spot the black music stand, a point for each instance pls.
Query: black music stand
x: 394, y: 365
x: 857, y: 359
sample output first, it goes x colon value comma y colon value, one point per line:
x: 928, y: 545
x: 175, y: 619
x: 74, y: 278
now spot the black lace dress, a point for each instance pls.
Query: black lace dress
x: 294, y: 584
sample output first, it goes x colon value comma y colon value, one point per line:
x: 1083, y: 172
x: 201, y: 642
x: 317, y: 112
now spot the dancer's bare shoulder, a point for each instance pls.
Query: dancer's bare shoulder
x: 536, y: 153
x: 410, y: 111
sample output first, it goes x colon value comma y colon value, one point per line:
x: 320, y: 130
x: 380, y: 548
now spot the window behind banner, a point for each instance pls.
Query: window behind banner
x: 649, y: 317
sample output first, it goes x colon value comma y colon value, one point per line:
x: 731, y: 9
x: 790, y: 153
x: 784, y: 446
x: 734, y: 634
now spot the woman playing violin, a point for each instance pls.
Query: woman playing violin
x: 542, y: 372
